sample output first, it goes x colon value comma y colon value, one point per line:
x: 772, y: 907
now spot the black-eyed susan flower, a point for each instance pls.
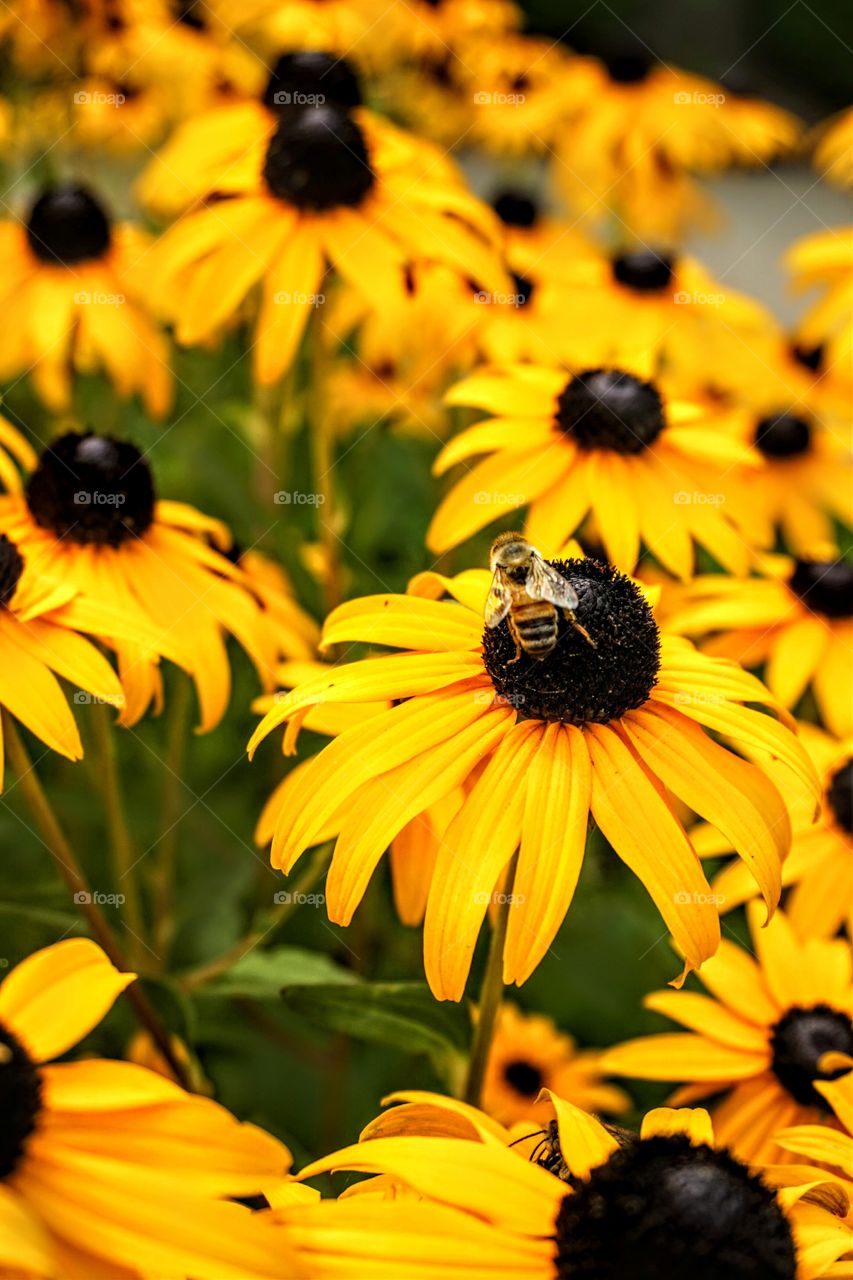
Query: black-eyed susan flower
x: 819, y: 869
x: 831, y: 1147
x: 833, y: 152
x: 600, y: 440
x: 346, y: 28
x: 759, y: 1038
x: 797, y: 618
x: 424, y: 28
x: 642, y: 128
x: 326, y: 187
x: 89, y: 517
x: 450, y: 1198
x: 106, y: 1168
x: 528, y: 1054
x: 824, y: 260
x: 71, y: 298
x: 611, y: 715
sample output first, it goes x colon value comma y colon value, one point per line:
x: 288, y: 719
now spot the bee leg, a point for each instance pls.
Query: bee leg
x: 570, y: 617
x: 517, y: 652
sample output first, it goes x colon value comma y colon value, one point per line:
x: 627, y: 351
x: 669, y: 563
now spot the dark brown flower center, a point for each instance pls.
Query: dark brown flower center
x: 663, y: 1207
x: 644, y: 270
x: 516, y: 208
x: 839, y: 796
x: 524, y: 1077
x: 578, y: 682
x: 809, y: 357
x: 92, y: 489
x: 524, y: 289
x: 826, y: 586
x: 309, y: 78
x: 609, y: 409
x: 799, y: 1041
x: 20, y: 1100
x: 11, y: 568
x: 783, y: 435
x: 67, y: 225
x: 318, y: 160
x: 629, y: 66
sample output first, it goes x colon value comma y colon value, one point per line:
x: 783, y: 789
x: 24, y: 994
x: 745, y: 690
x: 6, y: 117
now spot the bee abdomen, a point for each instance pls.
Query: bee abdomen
x: 536, y: 627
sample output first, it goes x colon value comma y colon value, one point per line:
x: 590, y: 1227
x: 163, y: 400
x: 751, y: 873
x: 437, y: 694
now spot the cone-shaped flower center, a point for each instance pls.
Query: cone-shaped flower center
x: 309, y: 78
x: 92, y: 489
x: 524, y: 1077
x: 318, y: 160
x: 826, y: 586
x: 840, y: 796
x: 799, y: 1041
x: 20, y: 1100
x: 783, y: 435
x: 11, y: 568
x: 608, y: 409
x: 644, y: 270
x: 516, y: 208
x: 579, y: 682
x: 67, y: 225
x: 662, y: 1207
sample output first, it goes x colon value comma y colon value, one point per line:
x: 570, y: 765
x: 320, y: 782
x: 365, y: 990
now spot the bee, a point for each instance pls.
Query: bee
x: 527, y: 591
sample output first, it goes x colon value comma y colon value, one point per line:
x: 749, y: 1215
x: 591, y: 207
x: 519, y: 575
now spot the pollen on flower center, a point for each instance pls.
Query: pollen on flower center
x: 20, y: 1100
x: 524, y: 1078
x: 309, y: 78
x: 644, y: 270
x: 826, y: 586
x: 67, y: 225
x: 92, y: 489
x: 318, y: 160
x: 783, y: 435
x: 799, y: 1041
x: 840, y: 796
x: 11, y: 568
x: 578, y: 683
x: 663, y: 1207
x: 609, y: 409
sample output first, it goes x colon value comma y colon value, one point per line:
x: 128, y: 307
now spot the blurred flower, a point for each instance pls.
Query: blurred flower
x: 108, y: 1169
x: 71, y: 302
x: 449, y: 1198
x: 418, y: 28
x: 528, y: 1054
x: 797, y: 618
x: 90, y: 519
x: 833, y: 152
x: 760, y: 1041
x: 521, y: 89
x: 819, y: 868
x: 825, y: 260
x: 648, y: 466
x: 600, y: 726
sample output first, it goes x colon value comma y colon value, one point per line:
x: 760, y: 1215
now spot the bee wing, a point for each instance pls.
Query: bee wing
x: 498, y: 601
x: 545, y: 583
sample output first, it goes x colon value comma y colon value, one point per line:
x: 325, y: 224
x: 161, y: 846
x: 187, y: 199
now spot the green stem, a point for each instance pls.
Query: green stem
x: 323, y: 463
x: 69, y: 868
x: 491, y: 994
x: 177, y: 736
x: 121, y: 844
x: 271, y: 923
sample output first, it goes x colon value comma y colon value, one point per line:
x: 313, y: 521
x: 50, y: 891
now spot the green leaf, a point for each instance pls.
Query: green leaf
x: 404, y: 1015
x: 260, y: 975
